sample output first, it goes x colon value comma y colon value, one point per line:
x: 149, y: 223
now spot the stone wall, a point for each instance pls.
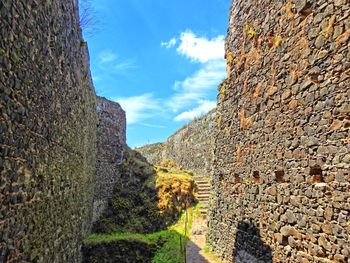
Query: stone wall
x: 111, y: 145
x: 282, y: 153
x: 191, y: 147
x: 47, y: 132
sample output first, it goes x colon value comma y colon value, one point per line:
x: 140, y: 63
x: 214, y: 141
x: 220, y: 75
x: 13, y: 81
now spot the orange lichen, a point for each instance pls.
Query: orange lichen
x: 245, y: 85
x: 250, y: 147
x: 241, y: 115
x: 257, y: 90
x: 249, y: 122
x: 308, y: 110
x: 336, y: 125
x: 293, y: 104
x: 238, y: 154
x: 289, y: 12
x: 342, y: 39
x: 252, y: 57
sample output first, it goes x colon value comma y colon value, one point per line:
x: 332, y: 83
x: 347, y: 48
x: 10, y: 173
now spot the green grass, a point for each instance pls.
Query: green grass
x: 206, y: 249
x: 168, y: 241
x: 171, y: 251
x: 105, y: 238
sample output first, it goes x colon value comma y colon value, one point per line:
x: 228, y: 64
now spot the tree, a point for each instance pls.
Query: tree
x: 88, y: 18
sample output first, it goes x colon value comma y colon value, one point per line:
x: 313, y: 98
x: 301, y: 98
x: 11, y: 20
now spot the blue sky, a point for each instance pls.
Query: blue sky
x: 161, y: 60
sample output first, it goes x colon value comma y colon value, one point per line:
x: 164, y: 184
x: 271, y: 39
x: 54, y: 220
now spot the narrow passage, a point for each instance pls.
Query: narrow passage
x: 196, y: 244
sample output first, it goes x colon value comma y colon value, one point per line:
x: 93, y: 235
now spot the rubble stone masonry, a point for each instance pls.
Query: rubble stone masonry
x: 282, y: 151
x: 47, y: 132
x: 111, y: 146
x: 191, y: 147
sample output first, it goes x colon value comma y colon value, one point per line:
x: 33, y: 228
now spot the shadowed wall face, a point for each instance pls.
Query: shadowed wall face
x: 47, y: 138
x: 248, y: 245
x: 282, y: 148
x: 111, y: 146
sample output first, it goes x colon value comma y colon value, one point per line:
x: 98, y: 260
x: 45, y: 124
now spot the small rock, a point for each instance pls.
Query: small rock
x: 336, y: 125
x: 279, y: 238
x: 315, y: 228
x: 319, y: 212
x: 286, y: 94
x: 328, y: 213
x: 320, y: 41
x: 338, y: 30
x: 346, y: 158
x: 272, y: 190
x: 345, y: 108
x: 312, y: 141
x: 318, y: 18
x: 339, y: 258
x: 314, y: 32
x: 326, y: 228
x: 307, y: 83
x: 322, y: 54
x: 300, y: 5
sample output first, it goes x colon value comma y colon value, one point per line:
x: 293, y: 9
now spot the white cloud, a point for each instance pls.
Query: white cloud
x: 110, y: 62
x: 192, y: 96
x: 125, y: 66
x: 153, y: 125
x: 202, y: 83
x: 107, y: 56
x: 169, y: 44
x: 139, y: 108
x: 203, y: 107
x: 198, y: 86
x: 200, y: 49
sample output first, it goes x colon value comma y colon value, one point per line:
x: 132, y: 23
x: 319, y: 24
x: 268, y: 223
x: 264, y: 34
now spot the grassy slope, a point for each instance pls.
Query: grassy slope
x: 168, y: 241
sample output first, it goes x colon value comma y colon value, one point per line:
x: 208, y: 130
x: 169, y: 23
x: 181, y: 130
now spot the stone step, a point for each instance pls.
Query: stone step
x: 198, y: 177
x: 204, y: 190
x: 203, y: 212
x: 203, y: 186
x: 201, y: 180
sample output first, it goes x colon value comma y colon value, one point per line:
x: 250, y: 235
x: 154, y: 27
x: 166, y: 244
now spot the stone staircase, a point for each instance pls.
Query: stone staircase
x: 203, y: 193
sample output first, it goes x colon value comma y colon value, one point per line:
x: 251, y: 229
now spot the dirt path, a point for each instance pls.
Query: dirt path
x: 194, y: 251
